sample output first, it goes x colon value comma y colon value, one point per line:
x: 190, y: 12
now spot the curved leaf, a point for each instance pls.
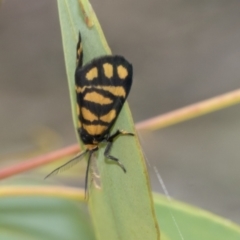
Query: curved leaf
x: 25, y: 214
x: 122, y: 206
x: 193, y: 223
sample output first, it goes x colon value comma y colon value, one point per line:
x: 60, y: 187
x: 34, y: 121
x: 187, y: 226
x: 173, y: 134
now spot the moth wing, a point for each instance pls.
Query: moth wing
x: 102, y: 88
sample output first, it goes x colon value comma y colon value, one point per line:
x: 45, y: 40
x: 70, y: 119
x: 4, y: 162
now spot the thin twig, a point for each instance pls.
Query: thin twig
x: 38, y: 161
x: 191, y: 111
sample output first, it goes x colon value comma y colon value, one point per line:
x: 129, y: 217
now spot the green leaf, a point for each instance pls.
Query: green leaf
x: 31, y: 215
x: 121, y: 206
x: 193, y: 223
x: 37, y: 212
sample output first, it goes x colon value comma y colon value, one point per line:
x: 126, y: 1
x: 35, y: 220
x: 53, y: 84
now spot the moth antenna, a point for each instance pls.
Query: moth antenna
x: 68, y: 164
x: 79, y: 52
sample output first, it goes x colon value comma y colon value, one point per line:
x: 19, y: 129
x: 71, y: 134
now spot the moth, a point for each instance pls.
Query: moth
x: 102, y: 87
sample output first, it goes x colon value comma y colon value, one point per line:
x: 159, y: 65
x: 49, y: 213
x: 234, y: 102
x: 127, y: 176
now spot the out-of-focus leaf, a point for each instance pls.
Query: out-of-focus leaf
x: 32, y: 216
x: 34, y: 212
x: 193, y: 223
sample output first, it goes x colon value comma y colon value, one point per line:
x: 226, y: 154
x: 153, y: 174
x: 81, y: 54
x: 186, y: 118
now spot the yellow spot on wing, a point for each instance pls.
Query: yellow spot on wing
x: 78, y: 110
x: 97, y: 98
x: 116, y: 91
x: 79, y: 89
x: 108, y: 70
x: 109, y: 116
x: 92, y: 73
x: 88, y: 115
x: 122, y: 72
x: 94, y: 129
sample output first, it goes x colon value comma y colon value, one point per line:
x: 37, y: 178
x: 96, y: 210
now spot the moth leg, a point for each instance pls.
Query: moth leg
x: 107, y: 155
x: 110, y: 140
x: 117, y: 133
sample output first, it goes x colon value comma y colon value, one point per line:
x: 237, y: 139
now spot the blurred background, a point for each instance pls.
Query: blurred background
x: 182, y: 51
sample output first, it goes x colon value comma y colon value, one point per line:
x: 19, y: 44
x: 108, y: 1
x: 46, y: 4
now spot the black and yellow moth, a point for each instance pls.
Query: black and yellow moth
x: 102, y: 87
